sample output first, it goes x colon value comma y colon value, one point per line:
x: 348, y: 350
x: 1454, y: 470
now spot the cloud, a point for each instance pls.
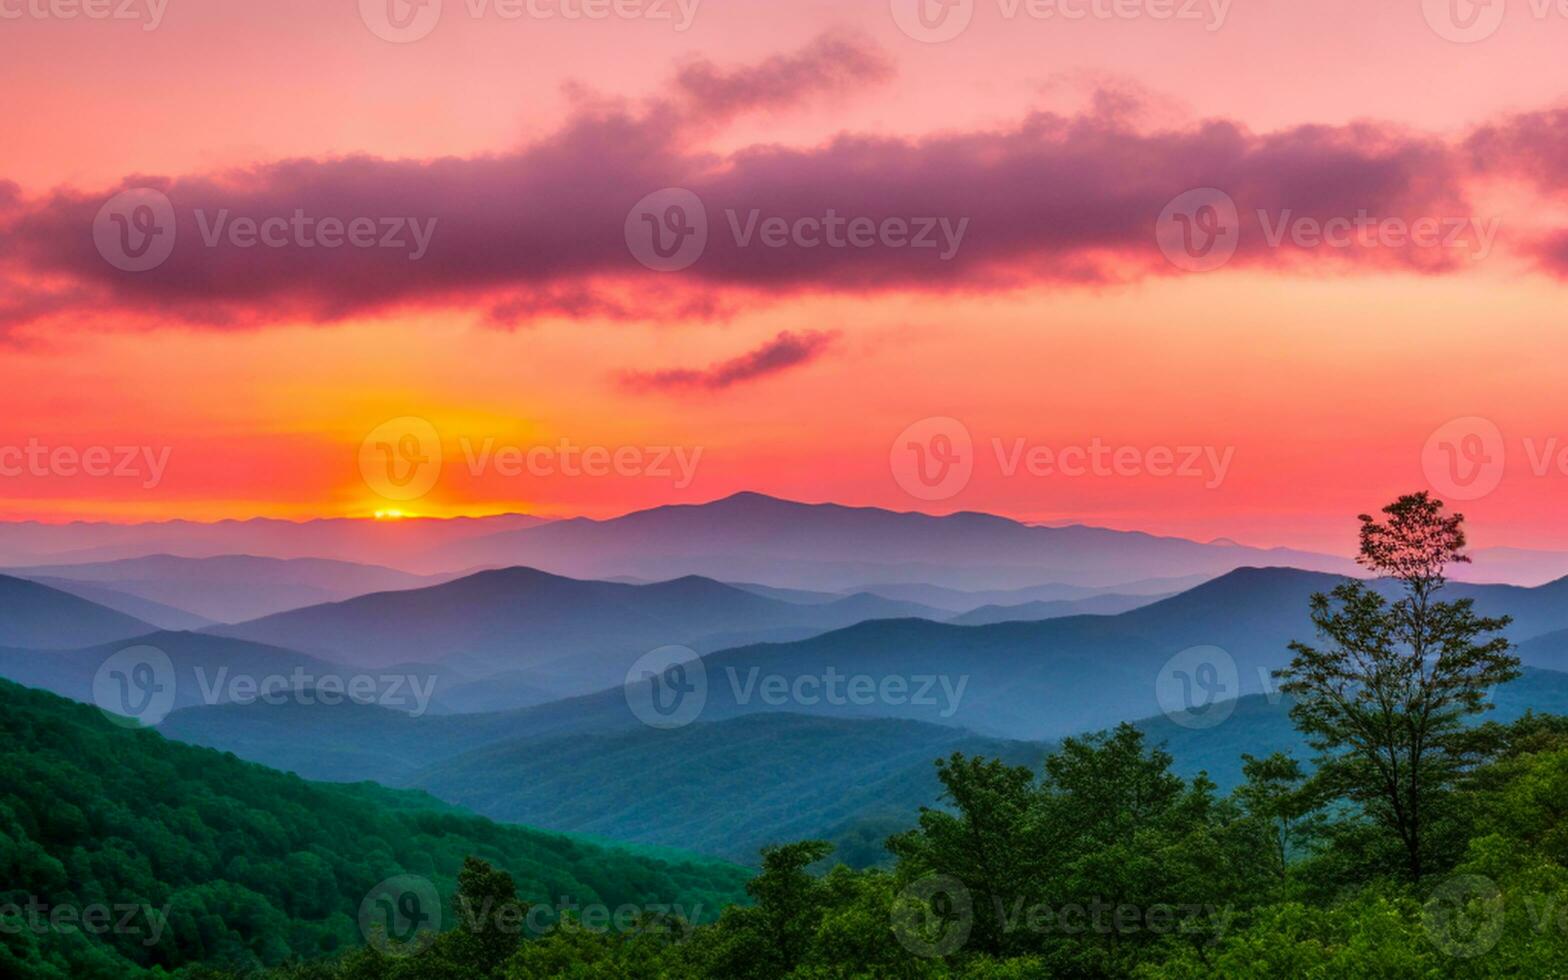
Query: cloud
x: 783, y: 352
x: 1530, y: 147
x: 541, y: 231
x: 830, y: 65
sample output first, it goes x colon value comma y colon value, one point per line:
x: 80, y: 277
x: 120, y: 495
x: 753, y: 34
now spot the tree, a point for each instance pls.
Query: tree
x: 1273, y: 793
x: 1385, y: 701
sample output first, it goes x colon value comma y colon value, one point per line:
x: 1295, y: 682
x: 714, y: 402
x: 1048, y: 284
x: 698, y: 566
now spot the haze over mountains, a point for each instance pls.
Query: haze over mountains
x: 1019, y: 680
x: 747, y: 537
x: 394, y: 542
x: 978, y: 634
x: 750, y: 537
x: 44, y: 618
x: 578, y: 634
x: 229, y: 588
x: 725, y: 787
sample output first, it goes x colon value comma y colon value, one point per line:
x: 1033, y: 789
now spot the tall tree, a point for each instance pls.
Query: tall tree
x: 1385, y: 699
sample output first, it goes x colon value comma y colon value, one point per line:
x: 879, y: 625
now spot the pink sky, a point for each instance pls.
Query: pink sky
x: 1323, y: 376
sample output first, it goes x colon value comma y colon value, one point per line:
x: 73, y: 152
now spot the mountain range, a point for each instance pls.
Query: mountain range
x: 225, y: 588
x: 746, y: 537
x: 559, y: 633
x: 725, y: 788
x: 756, y: 538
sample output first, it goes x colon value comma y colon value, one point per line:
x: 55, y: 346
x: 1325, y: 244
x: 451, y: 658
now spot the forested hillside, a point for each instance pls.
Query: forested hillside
x: 199, y: 857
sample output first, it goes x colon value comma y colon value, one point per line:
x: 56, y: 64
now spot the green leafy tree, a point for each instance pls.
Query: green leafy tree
x: 1275, y: 794
x: 1385, y: 700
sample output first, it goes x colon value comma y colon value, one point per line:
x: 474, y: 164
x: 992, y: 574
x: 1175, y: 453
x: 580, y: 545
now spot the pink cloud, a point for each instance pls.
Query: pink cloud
x: 541, y: 231
x: 829, y: 65
x: 1533, y: 147
x: 783, y: 352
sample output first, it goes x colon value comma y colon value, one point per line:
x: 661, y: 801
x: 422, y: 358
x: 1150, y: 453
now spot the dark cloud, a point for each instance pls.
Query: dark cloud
x: 785, y: 351
x: 828, y: 66
x: 541, y: 231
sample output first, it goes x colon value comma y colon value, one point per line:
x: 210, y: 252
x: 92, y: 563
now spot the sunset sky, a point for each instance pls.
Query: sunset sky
x: 1327, y: 377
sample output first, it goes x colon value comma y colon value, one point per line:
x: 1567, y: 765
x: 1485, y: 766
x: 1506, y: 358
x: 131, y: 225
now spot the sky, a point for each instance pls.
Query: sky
x: 1209, y: 269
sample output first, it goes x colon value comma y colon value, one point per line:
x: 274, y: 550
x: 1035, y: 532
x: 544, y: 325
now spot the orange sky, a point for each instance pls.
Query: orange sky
x: 1322, y: 377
